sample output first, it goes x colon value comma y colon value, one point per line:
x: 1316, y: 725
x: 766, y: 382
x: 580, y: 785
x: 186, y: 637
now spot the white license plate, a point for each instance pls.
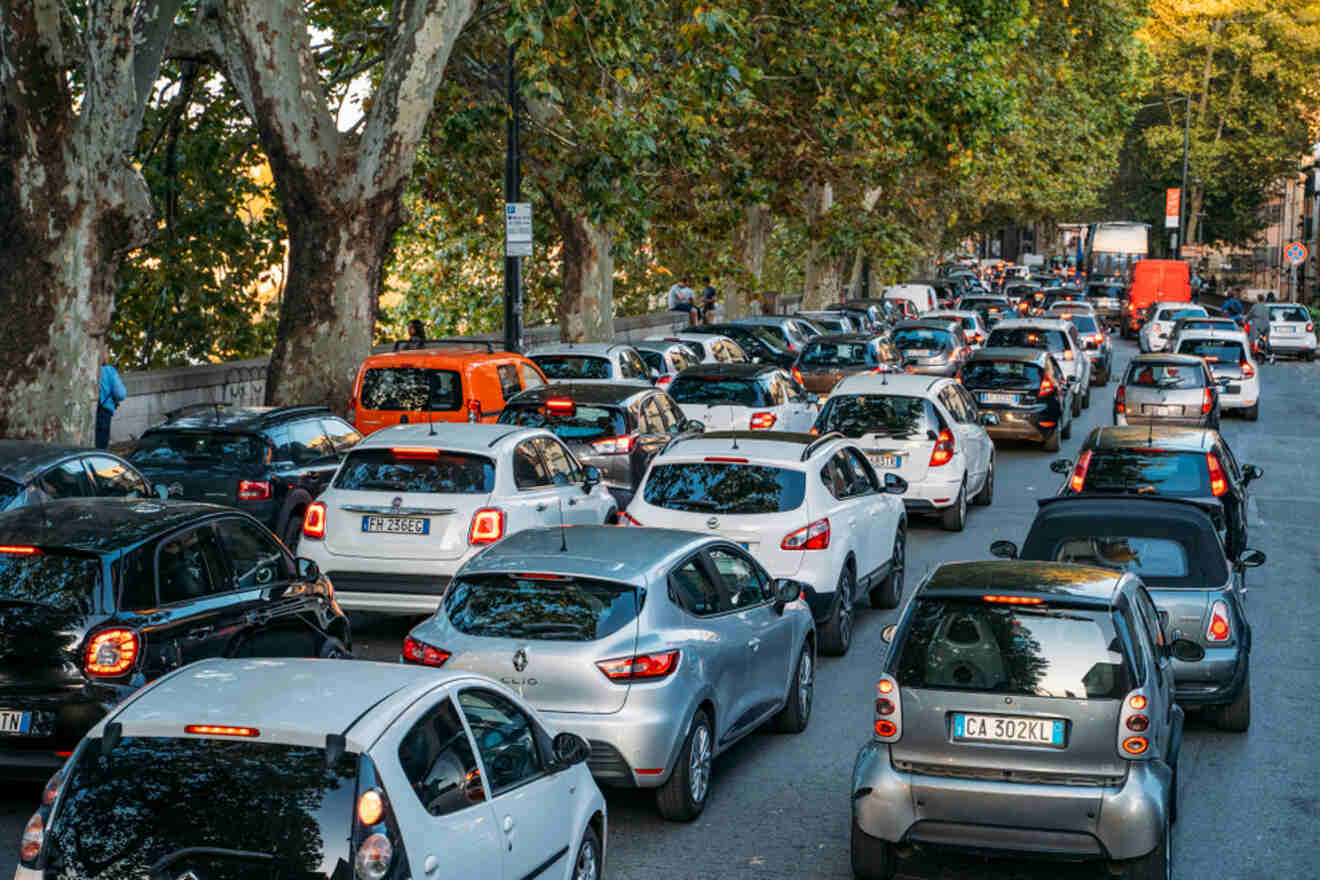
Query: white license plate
x: 919, y: 352
x: 886, y: 459
x: 396, y: 525
x: 14, y: 722
x: 998, y: 397
x: 1151, y: 409
x: 1282, y: 330
x: 1008, y: 729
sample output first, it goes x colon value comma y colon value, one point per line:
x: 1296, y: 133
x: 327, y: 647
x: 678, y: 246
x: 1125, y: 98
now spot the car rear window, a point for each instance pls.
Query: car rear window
x: 1182, y: 313
x: 1027, y: 337
x: 1292, y: 314
x: 182, y: 447
x: 1148, y: 471
x: 1147, y: 557
x: 1083, y: 322
x: 439, y: 472
x: 1166, y: 377
x: 581, y: 423
x: 192, y: 802
x: 54, y: 580
x: 970, y: 645
x: 854, y: 415
x: 1221, y: 351
x: 725, y: 487
x: 414, y: 389
x: 921, y: 338
x: 837, y: 354
x: 716, y: 391
x: 573, y: 366
x: 1001, y: 374
x: 548, y: 607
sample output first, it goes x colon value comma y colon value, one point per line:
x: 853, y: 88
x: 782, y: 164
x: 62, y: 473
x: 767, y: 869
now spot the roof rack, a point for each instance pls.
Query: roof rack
x: 193, y: 409
x: 819, y: 442
x: 436, y: 343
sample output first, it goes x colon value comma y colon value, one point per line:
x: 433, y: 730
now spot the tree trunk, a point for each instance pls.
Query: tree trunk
x: 820, y: 280
x: 586, y: 309
x: 750, y: 242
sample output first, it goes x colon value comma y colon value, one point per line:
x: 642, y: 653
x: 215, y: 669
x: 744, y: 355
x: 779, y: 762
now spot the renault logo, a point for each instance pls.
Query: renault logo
x: 712, y: 523
x: 396, y: 503
x: 520, y: 660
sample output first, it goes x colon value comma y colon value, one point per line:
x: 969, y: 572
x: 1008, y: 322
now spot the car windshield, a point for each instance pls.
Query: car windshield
x: 1148, y: 557
x: 921, y: 338
x: 1216, y: 351
x: 822, y: 353
x: 1207, y: 324
x: 964, y: 645
x: 156, y: 448
x: 1294, y: 314
x: 855, y: 415
x: 717, y: 391
x: 1148, y: 472
x: 416, y: 470
x: 573, y: 366
x: 54, y: 580
x: 544, y: 607
x: 1028, y: 337
x: 581, y: 423
x: 724, y: 487
x: 1002, y: 374
x: 191, y: 801
x: 1165, y: 376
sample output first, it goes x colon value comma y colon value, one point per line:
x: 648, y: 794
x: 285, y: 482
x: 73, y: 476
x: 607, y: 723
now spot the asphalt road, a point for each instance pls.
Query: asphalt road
x: 1249, y: 803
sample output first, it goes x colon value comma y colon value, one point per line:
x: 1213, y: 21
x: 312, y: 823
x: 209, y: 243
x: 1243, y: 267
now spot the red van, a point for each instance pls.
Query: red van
x: 1154, y: 281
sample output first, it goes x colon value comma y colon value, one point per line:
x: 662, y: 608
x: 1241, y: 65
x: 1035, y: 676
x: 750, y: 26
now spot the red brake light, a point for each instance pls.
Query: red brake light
x: 112, y: 652
x: 1135, y: 745
x: 639, y: 667
x: 943, y: 451
x: 487, y: 526
x: 1310, y: 326
x: 1137, y: 701
x: 797, y: 374
x: 253, y: 490
x: 419, y: 652
x: 1220, y: 630
x: 885, y: 728
x: 1078, y: 478
x: 726, y: 459
x: 1247, y: 370
x: 1207, y: 402
x: 34, y: 835
x: 19, y: 550
x: 370, y: 807
x: 561, y: 406
x: 762, y: 421
x: 627, y: 519
x: 888, y: 710
x: 810, y: 537
x: 1120, y: 400
x: 614, y: 445
x: 1013, y: 600
x: 314, y: 521
x: 1137, y: 722
x: 221, y: 730
x: 414, y: 452
x: 664, y: 380
x: 1218, y: 483
x: 1047, y: 387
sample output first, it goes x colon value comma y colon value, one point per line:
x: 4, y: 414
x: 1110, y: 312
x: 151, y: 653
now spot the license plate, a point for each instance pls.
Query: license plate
x: 1152, y: 409
x: 998, y: 397
x: 886, y: 459
x: 1233, y: 389
x: 14, y: 722
x: 919, y: 352
x: 396, y: 525
x: 1008, y: 729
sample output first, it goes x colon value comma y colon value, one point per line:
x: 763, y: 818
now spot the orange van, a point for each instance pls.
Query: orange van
x: 448, y: 380
x: 1155, y: 281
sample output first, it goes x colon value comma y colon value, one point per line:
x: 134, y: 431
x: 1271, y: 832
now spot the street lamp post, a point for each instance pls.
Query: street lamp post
x: 512, y: 194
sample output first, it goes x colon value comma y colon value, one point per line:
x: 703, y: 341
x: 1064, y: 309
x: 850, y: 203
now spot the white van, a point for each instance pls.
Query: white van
x: 922, y: 296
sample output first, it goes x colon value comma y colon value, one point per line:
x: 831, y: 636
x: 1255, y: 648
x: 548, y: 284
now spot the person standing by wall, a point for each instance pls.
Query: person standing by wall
x: 111, y: 393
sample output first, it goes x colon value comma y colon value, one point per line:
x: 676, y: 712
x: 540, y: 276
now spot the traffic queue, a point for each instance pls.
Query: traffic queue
x: 626, y: 559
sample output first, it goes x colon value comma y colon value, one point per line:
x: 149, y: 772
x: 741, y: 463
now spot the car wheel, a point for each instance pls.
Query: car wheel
x: 588, y: 863
x: 683, y: 796
x: 1236, y: 716
x: 1158, y: 863
x: 1076, y: 406
x: 987, y: 493
x: 333, y: 649
x: 1086, y: 398
x: 954, y: 517
x: 293, y: 530
x: 890, y: 593
x: 836, y: 635
x: 1052, y: 442
x: 796, y: 713
x: 1252, y: 413
x: 872, y: 858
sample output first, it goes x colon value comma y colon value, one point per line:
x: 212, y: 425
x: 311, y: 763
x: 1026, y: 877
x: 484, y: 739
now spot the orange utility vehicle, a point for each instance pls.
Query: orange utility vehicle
x: 1154, y: 281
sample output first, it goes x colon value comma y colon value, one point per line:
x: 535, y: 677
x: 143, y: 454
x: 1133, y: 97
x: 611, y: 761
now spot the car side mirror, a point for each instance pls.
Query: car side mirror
x: 590, y: 478
x: 786, y: 590
x: 1061, y: 465
x: 888, y: 633
x: 989, y: 418
x: 1251, y: 472
x: 308, y: 570
x: 161, y: 491
x: 1004, y: 549
x: 1251, y: 558
x: 895, y: 485
x: 569, y: 749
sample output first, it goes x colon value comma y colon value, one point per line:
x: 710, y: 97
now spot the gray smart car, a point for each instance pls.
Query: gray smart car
x: 1023, y: 708
x: 661, y: 647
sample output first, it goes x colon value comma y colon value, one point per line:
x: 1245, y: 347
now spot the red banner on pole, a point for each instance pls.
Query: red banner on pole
x: 1172, y: 207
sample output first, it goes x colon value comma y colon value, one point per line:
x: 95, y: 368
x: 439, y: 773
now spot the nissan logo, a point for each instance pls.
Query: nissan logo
x: 1008, y: 701
x: 520, y: 660
x: 712, y: 523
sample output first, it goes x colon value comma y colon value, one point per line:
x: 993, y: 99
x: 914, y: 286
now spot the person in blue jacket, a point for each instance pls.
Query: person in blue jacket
x: 112, y: 393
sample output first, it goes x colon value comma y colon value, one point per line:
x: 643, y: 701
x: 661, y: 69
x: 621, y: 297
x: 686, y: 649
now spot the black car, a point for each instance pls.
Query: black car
x: 1192, y: 463
x: 760, y: 345
x: 617, y: 428
x: 1026, y: 389
x: 31, y: 473
x: 992, y: 309
x: 268, y: 461
x: 98, y: 597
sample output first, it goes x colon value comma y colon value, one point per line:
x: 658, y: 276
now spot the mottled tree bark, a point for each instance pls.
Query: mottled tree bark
x: 821, y: 280
x: 586, y: 308
x: 750, y: 242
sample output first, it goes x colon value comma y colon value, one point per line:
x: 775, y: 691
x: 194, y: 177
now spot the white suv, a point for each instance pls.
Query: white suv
x: 807, y: 508
x: 1228, y: 354
x: 1154, y: 335
x: 1287, y: 327
x: 612, y: 362
x: 410, y: 504
x: 927, y: 430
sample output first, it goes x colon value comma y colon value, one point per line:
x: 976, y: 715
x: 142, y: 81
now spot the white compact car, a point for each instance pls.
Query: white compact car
x: 412, y: 503
x: 612, y: 362
x: 927, y: 430
x: 1287, y: 327
x: 744, y: 397
x: 1154, y: 335
x: 808, y: 508
x: 1060, y: 338
x: 710, y: 348
x: 1228, y: 355
x: 381, y: 769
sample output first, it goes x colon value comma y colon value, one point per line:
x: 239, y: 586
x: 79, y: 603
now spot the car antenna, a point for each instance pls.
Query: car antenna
x: 563, y: 531
x: 431, y: 420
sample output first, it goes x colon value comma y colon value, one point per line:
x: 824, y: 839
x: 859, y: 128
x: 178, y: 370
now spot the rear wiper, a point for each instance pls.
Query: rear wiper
x: 552, y: 627
x: 701, y: 505
x: 383, y: 484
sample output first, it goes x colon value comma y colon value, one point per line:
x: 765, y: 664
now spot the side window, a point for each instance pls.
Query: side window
x: 1150, y: 618
x: 256, y: 557
x: 743, y: 582
x: 137, y: 590
x: 437, y: 757
x: 303, y: 442
x: 693, y: 591
x: 669, y: 412
x: 506, y: 739
x: 954, y: 404
x: 1231, y: 461
x: 1127, y: 630
x: 114, y: 479
x: 968, y: 402
x: 531, y: 378
x: 652, y: 421
x: 633, y: 367
x: 343, y: 436
x: 509, y: 384
x: 188, y: 567
x: 838, y: 476
x: 529, y: 471
x: 867, y: 481
x: 563, y: 470
x: 68, y: 480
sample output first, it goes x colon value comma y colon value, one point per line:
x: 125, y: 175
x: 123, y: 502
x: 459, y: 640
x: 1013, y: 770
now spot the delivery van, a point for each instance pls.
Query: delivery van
x: 1154, y: 281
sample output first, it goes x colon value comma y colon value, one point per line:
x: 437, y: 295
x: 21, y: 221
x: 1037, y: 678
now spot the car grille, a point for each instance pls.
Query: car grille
x: 608, y: 765
x: 996, y: 774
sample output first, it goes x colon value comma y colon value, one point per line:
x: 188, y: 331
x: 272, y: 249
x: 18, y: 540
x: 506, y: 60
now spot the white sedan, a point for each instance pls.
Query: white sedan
x: 742, y: 397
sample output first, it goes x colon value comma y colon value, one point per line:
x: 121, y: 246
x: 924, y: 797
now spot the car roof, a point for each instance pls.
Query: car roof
x: 778, y: 446
x: 661, y: 345
x: 1168, y: 358
x: 1198, y: 333
x: 21, y: 460
x: 926, y: 323
x: 478, y: 437
x: 954, y: 313
x: 888, y: 383
x: 219, y: 416
x: 730, y: 371
x: 1084, y: 584
x: 689, y: 337
x: 609, y: 552
x: 1010, y: 353
x: 100, y: 525
x: 845, y: 337
x: 439, y: 352
x: 584, y: 348
x: 602, y: 394
x: 1150, y: 436
x: 1028, y: 323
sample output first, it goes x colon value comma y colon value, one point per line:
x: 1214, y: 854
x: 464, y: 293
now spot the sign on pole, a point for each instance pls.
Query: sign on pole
x: 1295, y: 253
x: 1172, y: 208
x: 518, y: 229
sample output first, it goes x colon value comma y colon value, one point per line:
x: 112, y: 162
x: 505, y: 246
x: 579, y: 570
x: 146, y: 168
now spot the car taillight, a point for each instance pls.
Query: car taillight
x: 888, y: 723
x: 762, y: 421
x: 797, y: 375
x: 1207, y: 402
x: 614, y: 445
x: 1220, y: 628
x: 1218, y: 483
x: 1310, y: 326
x: 1098, y: 338
x: 221, y: 730
x: 376, y: 842
x: 487, y: 526
x: 419, y: 652
x: 815, y: 536
x: 1247, y: 370
x: 314, y: 521
x: 34, y: 836
x: 640, y: 667
x: 253, y: 490
x: 1047, y: 387
x: 111, y: 652
x: 663, y: 381
x: 53, y: 786
x: 474, y: 410
x: 1133, y: 719
x: 943, y: 451
x: 1120, y: 400
x: 1078, y: 478
x: 628, y: 519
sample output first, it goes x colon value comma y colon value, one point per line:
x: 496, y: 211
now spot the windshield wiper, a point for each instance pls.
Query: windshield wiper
x: 383, y: 484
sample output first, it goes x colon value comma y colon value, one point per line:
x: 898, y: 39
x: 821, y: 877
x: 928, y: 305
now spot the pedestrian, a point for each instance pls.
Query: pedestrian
x: 1233, y: 305
x: 681, y: 299
x: 416, y: 335
x: 708, y: 302
x: 112, y: 393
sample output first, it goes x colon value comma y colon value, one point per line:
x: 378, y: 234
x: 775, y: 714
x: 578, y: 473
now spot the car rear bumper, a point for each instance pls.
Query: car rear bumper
x: 1127, y: 419
x: 389, y: 593
x: 929, y: 496
x: 642, y: 736
x: 1215, y: 680
x: 59, y: 720
x: 1292, y: 344
x: 1016, y: 424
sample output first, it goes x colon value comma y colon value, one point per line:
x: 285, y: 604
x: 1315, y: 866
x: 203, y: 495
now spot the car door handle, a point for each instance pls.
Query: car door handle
x: 430, y: 865
x: 754, y: 644
x: 508, y: 824
x: 572, y: 501
x: 200, y: 632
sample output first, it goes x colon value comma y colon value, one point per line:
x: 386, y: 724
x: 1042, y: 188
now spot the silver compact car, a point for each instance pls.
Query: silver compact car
x: 1167, y: 389
x: 1024, y: 708
x: 661, y: 647
x: 931, y: 347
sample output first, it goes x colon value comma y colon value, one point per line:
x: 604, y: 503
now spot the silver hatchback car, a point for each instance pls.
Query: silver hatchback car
x: 660, y: 647
x: 1167, y: 389
x: 1023, y: 708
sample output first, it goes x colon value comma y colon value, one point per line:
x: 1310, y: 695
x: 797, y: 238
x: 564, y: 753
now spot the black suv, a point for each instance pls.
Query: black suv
x: 759, y: 342
x: 31, y: 473
x: 100, y: 596
x: 270, y: 462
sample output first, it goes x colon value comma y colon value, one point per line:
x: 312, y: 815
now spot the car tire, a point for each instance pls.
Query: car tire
x: 683, y: 796
x: 1052, y: 442
x: 987, y: 493
x: 1236, y: 716
x: 293, y: 530
x: 872, y: 858
x: 1086, y: 398
x: 333, y: 649
x: 795, y: 715
x: 1252, y: 413
x: 588, y: 865
x: 1158, y: 863
x: 836, y: 635
x: 1076, y: 406
x: 954, y: 517
x: 890, y: 593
